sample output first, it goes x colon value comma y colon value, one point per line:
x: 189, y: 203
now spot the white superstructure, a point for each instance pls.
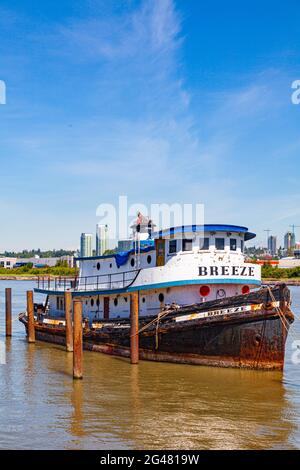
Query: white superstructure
x: 181, y: 265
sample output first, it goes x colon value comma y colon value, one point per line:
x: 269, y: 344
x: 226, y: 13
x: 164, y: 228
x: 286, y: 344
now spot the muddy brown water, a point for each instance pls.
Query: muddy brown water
x: 148, y: 406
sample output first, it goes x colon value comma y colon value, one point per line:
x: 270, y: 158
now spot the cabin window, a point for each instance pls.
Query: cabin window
x: 143, y: 300
x: 242, y: 246
x: 132, y: 262
x: 57, y: 303
x: 149, y: 259
x: 98, y: 266
x: 172, y: 246
x: 220, y: 243
x: 233, y: 244
x: 92, y: 302
x: 161, y: 297
x: 125, y: 298
x: 187, y: 244
x: 115, y: 302
x: 204, y: 244
x: 98, y: 302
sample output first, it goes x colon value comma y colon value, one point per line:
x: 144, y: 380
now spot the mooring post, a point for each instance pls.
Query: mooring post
x: 77, y: 340
x: 134, y: 327
x: 68, y: 317
x: 30, y: 316
x: 8, y: 324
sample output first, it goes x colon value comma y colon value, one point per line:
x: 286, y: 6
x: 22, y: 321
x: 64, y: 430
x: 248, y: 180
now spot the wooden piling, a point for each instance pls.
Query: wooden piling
x: 8, y: 321
x: 77, y: 340
x: 69, y: 325
x: 30, y: 315
x: 134, y: 327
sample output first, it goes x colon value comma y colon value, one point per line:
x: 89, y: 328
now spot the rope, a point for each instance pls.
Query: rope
x: 157, y: 319
x: 156, y: 332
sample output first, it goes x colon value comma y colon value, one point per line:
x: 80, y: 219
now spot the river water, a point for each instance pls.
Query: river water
x: 148, y: 406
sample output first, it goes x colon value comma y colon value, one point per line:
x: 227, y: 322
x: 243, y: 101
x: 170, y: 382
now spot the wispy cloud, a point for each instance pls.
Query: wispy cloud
x: 152, y: 29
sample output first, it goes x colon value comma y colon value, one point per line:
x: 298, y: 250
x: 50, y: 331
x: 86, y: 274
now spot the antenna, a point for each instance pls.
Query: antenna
x: 293, y: 227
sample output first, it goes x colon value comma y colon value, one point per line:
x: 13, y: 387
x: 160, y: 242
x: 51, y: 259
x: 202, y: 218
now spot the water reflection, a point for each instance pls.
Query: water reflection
x: 147, y: 406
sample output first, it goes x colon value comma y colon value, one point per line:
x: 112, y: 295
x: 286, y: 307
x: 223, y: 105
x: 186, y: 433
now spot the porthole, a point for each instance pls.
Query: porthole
x: 161, y: 297
x: 132, y: 262
x: 115, y: 302
x: 149, y: 259
x: 92, y: 302
x: 221, y: 293
x: 98, y: 266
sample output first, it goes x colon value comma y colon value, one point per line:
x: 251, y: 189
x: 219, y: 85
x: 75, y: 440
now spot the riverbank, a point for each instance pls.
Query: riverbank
x: 288, y: 282
x: 20, y: 278
x: 26, y: 277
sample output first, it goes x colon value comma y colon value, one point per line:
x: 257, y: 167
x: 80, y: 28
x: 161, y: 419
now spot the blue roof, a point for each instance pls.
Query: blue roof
x: 205, y: 228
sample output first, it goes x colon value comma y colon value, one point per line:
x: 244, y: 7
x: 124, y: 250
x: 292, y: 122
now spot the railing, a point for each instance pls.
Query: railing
x: 89, y: 283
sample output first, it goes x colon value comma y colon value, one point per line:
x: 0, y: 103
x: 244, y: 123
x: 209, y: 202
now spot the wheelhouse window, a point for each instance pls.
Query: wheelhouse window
x: 187, y: 244
x: 233, y: 244
x: 220, y: 243
x: 172, y: 246
x: 204, y: 244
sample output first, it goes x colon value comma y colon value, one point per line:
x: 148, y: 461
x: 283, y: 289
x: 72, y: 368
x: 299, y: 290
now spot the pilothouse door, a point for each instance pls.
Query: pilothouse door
x: 106, y: 308
x: 160, y: 251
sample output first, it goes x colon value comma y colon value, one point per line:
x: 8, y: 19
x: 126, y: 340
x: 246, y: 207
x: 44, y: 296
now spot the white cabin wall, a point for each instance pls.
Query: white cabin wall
x: 152, y: 304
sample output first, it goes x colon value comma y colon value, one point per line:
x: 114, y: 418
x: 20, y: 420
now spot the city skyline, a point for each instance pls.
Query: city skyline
x: 189, y: 108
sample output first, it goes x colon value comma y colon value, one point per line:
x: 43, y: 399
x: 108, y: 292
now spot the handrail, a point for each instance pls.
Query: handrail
x: 108, y: 281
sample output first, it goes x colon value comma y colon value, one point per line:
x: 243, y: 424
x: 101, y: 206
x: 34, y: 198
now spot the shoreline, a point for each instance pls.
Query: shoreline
x: 288, y: 282
x: 29, y: 277
x: 18, y: 278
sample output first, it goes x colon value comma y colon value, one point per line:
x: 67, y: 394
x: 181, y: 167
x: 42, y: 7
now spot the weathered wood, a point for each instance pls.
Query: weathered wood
x: 8, y: 312
x: 77, y: 340
x: 69, y: 325
x: 30, y: 314
x: 134, y: 327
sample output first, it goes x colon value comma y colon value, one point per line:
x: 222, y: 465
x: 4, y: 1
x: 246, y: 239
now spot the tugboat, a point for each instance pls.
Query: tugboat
x: 200, y: 301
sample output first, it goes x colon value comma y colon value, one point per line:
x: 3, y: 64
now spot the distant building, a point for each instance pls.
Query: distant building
x: 101, y: 239
x: 297, y: 250
x: 272, y: 242
x: 125, y: 245
x: 86, y: 248
x: 38, y: 262
x: 7, y: 263
x: 289, y: 242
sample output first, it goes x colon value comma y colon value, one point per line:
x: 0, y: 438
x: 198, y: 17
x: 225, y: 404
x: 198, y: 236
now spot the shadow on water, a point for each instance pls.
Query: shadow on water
x: 146, y: 406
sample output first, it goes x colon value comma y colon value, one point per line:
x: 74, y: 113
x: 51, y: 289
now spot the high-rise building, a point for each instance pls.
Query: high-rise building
x: 272, y: 241
x: 101, y: 239
x: 289, y: 242
x: 86, y: 245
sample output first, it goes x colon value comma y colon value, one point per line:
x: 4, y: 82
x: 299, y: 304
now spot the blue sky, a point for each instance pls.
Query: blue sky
x: 161, y: 100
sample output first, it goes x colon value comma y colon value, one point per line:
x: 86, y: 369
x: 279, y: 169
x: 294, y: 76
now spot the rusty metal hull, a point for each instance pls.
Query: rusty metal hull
x: 254, y: 339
